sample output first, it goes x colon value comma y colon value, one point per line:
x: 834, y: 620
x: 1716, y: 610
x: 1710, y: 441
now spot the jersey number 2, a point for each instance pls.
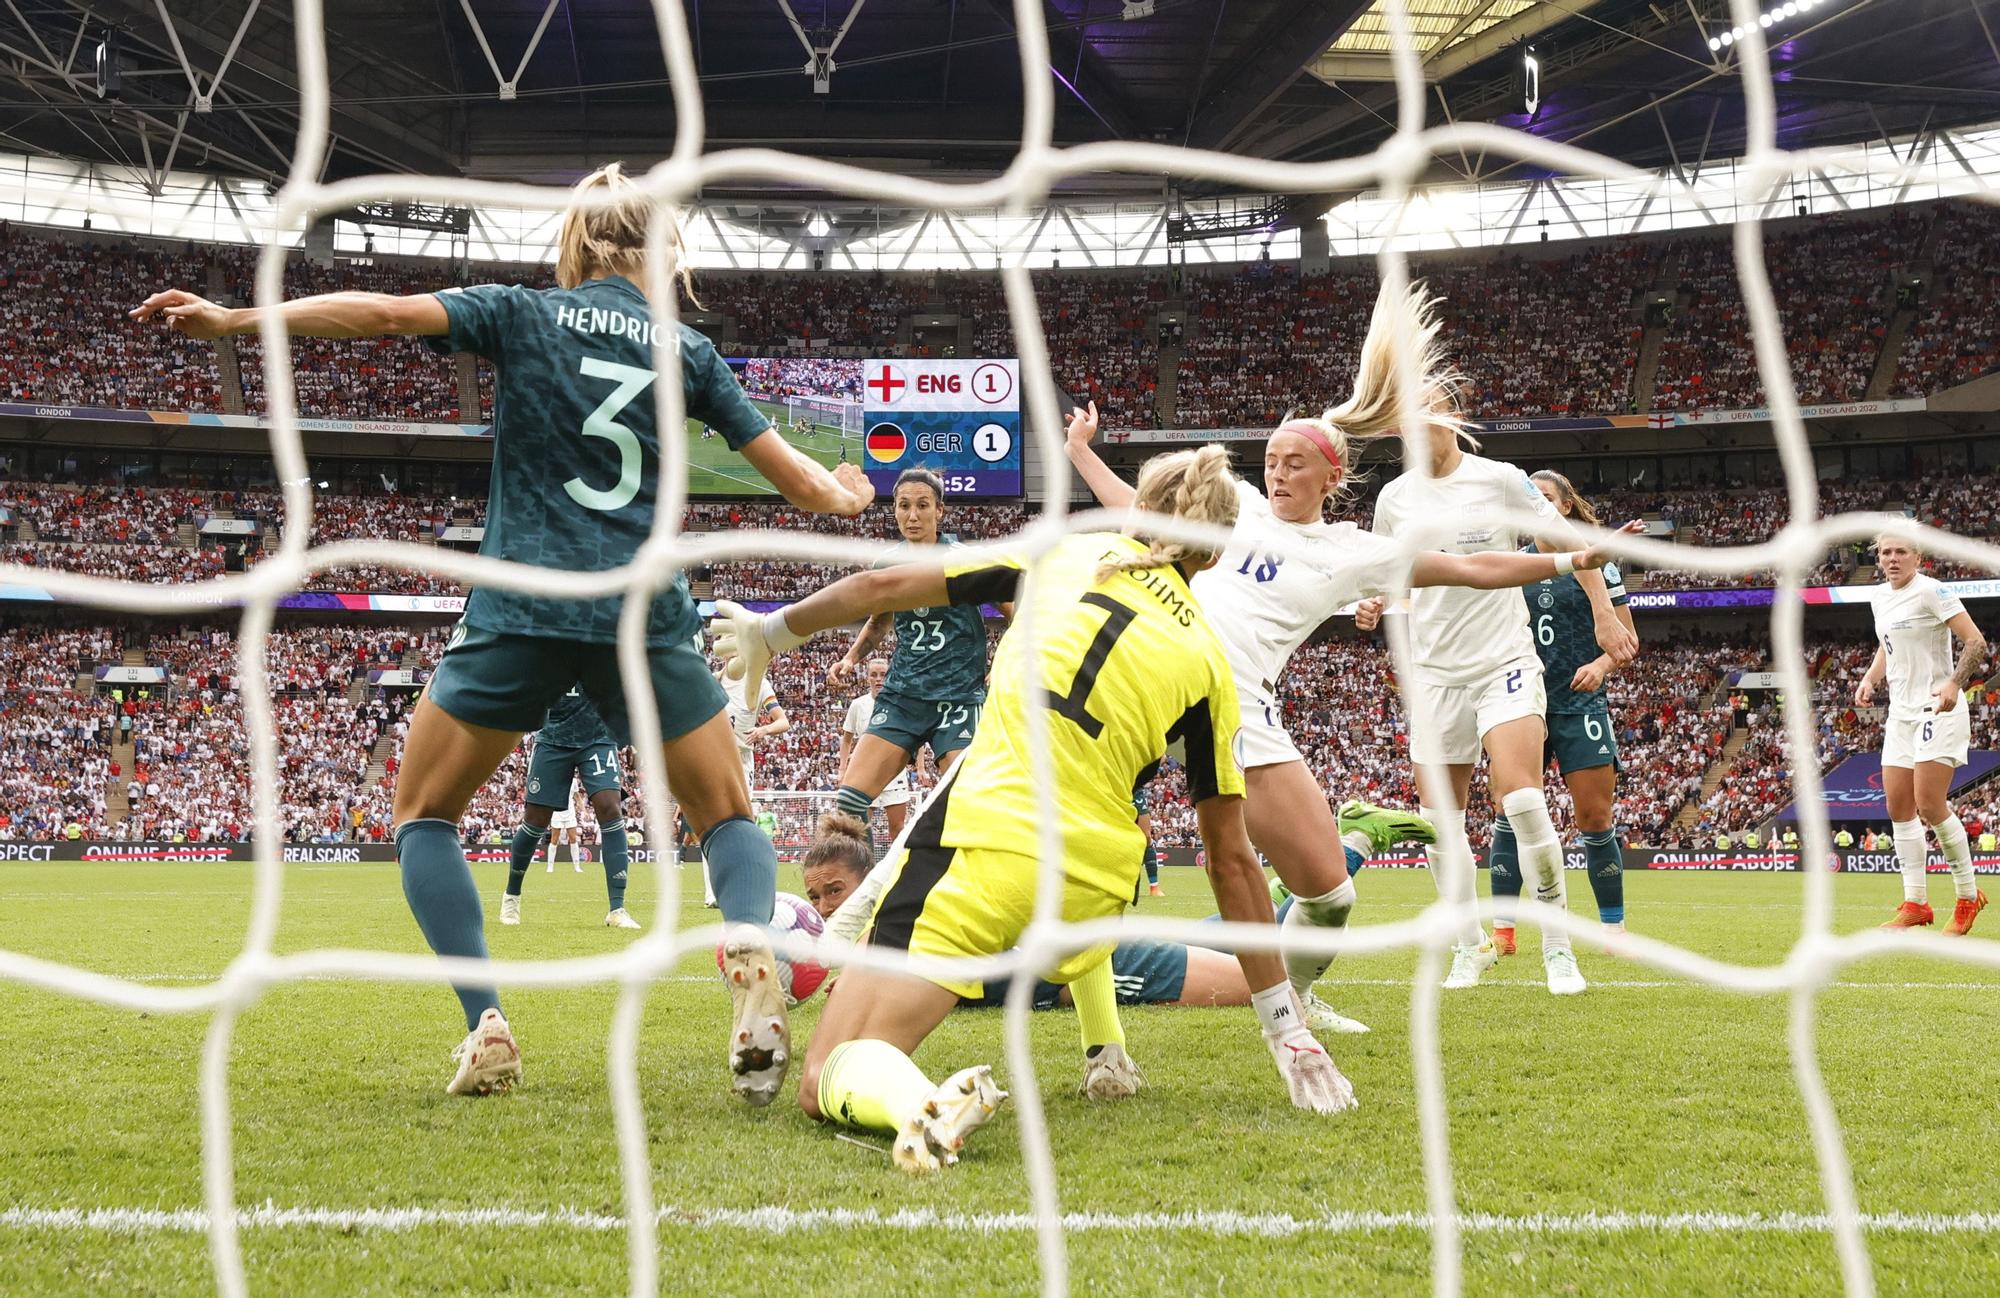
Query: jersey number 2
x: 1076, y: 704
x: 603, y: 422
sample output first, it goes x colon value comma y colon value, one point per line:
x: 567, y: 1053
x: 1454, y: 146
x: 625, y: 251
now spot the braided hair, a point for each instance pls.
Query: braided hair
x: 1195, y: 485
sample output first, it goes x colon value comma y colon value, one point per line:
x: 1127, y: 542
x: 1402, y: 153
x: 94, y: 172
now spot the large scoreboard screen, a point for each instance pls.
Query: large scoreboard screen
x: 961, y: 418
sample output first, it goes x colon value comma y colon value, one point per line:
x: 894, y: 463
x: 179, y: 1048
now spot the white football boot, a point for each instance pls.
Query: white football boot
x: 1467, y: 963
x: 620, y: 918
x: 1322, y: 1017
x: 1564, y: 977
x: 1110, y: 1074
x: 488, y: 1059
x: 510, y: 909
x: 961, y: 1105
x: 760, y: 1040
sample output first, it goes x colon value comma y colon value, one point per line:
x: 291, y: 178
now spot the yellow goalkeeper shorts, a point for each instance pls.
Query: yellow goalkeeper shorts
x: 946, y: 901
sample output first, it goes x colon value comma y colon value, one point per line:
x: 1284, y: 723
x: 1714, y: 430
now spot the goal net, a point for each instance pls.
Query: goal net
x: 827, y: 417
x: 1393, y: 169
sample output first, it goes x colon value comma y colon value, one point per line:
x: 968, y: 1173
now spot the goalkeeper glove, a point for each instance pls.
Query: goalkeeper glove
x: 746, y: 642
x: 1309, y: 1072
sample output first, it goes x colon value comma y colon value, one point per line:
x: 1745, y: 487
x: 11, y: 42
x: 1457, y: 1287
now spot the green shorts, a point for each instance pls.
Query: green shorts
x: 507, y: 682
x: 946, y: 725
x: 1579, y: 741
x: 554, y: 767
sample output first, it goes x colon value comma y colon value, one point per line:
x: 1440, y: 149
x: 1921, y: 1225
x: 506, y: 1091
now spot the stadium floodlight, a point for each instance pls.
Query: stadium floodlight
x: 1531, y: 80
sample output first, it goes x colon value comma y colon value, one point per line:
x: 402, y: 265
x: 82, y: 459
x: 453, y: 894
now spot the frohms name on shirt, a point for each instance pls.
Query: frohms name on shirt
x: 1161, y: 589
x: 596, y: 320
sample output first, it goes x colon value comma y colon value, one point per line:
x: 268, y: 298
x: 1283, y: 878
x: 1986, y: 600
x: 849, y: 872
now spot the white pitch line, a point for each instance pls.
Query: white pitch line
x: 780, y: 1221
x: 1520, y: 985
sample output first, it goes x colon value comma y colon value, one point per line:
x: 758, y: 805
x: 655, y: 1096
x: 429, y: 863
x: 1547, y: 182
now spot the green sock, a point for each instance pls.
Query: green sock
x: 521, y: 856
x: 617, y: 860
x: 871, y: 1085
x: 445, y: 901
x: 1504, y: 858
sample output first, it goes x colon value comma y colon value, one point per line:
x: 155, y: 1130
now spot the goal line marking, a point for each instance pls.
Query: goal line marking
x: 138, y: 1221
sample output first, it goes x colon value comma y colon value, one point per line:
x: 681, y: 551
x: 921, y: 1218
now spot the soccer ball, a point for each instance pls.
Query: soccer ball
x: 799, y: 978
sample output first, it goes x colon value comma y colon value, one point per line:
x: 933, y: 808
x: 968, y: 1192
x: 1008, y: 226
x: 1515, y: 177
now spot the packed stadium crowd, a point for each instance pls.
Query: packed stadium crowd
x: 187, y: 777
x: 1533, y: 335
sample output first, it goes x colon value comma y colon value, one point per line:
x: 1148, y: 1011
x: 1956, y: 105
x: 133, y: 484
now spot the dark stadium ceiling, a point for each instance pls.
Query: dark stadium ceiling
x: 932, y: 87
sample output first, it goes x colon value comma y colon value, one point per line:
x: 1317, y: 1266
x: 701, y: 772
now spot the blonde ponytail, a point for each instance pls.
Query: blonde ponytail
x: 612, y: 240
x: 1403, y: 324
x: 1195, y: 485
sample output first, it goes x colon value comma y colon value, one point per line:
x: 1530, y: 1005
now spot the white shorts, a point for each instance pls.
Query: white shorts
x: 1261, y: 737
x: 1447, y: 722
x: 896, y: 793
x: 1931, y: 737
x: 748, y: 757
x: 562, y: 820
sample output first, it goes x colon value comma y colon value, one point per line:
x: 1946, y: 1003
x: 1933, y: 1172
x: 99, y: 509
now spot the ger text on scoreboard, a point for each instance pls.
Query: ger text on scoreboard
x: 958, y: 418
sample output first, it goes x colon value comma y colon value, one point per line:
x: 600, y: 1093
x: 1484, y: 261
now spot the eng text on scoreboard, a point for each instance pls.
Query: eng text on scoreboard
x: 960, y: 418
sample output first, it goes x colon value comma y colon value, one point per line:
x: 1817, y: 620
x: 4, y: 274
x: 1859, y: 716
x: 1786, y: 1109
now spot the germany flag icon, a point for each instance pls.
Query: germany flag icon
x: 886, y: 443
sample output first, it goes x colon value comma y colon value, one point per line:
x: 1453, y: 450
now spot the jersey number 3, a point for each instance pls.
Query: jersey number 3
x: 603, y: 422
x: 1076, y: 703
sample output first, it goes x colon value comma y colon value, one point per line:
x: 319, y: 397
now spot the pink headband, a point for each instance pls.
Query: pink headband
x: 1312, y: 432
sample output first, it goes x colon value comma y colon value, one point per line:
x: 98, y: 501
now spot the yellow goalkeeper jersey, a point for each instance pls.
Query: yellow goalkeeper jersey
x: 1127, y: 667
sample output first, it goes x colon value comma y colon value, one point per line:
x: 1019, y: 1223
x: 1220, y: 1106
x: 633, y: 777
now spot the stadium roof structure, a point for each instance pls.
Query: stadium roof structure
x: 545, y: 89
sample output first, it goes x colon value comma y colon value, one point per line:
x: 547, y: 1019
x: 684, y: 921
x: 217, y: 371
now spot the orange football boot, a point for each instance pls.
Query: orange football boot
x: 1911, y: 914
x: 1965, y: 912
x: 1503, y: 941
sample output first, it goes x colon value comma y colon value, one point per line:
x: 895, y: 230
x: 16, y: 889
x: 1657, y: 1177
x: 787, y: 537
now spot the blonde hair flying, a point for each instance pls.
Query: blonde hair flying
x: 1195, y: 485
x: 612, y: 240
x: 1403, y: 324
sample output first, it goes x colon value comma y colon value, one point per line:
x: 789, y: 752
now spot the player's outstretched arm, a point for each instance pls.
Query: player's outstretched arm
x: 1242, y: 895
x: 806, y: 482
x: 1112, y: 491
x: 324, y: 315
x: 1499, y: 569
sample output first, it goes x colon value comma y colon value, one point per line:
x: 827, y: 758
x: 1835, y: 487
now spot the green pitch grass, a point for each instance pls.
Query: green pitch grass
x: 715, y: 470
x: 1646, y: 1096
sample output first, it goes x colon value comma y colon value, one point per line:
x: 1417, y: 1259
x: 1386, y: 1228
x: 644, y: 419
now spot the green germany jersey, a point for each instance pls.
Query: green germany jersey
x: 1566, y: 636
x: 576, y: 447
x: 940, y: 652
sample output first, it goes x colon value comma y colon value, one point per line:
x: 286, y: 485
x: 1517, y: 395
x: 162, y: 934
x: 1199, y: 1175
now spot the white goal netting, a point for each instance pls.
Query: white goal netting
x: 1393, y: 168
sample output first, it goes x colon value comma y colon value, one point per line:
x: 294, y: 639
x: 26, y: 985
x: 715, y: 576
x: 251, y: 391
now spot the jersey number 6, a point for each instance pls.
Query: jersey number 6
x: 1075, y: 704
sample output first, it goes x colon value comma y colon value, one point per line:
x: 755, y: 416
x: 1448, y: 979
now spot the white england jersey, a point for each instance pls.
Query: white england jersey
x: 743, y: 717
x: 1460, y: 636
x: 859, y: 713
x: 1910, y: 623
x: 1263, y: 601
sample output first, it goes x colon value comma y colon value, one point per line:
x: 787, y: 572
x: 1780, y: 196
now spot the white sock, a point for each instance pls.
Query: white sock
x: 1360, y: 842
x: 1958, y: 852
x: 1328, y: 911
x: 1910, y: 854
x: 1541, y: 855
x: 1451, y: 867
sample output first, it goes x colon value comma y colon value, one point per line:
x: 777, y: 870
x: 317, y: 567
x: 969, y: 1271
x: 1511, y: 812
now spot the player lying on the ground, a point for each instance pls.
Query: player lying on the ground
x: 1580, y: 739
x: 572, y: 745
x: 1146, y: 973
x: 1929, y: 732
x: 1285, y: 573
x: 936, y: 683
x: 1126, y: 664
x: 576, y: 456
